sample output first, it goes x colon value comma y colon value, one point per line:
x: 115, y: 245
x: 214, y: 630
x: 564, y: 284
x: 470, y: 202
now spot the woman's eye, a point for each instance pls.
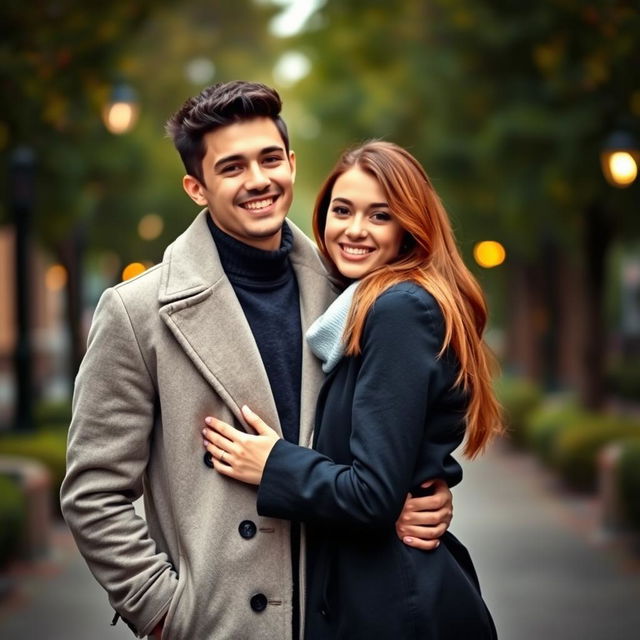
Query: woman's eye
x: 340, y: 211
x: 381, y: 216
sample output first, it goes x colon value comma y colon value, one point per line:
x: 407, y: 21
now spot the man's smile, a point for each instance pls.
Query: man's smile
x: 259, y: 204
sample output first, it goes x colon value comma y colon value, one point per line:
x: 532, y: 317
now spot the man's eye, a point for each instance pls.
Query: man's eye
x: 231, y: 168
x: 272, y: 159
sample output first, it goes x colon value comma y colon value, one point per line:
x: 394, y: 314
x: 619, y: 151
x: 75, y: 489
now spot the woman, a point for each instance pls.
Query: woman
x: 408, y: 378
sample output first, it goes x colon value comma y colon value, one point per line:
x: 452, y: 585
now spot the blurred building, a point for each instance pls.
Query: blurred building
x: 49, y: 340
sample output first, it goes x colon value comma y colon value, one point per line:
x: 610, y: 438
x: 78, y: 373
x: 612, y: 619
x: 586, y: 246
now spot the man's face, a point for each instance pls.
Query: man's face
x: 248, y: 181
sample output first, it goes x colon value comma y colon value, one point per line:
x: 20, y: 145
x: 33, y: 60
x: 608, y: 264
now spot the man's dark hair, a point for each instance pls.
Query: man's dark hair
x: 217, y: 106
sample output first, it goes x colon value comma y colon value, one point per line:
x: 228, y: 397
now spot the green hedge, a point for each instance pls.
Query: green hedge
x: 623, y: 379
x: 13, y: 515
x: 54, y: 414
x: 48, y: 447
x: 575, y: 450
x: 545, y: 423
x: 629, y: 480
x: 518, y: 397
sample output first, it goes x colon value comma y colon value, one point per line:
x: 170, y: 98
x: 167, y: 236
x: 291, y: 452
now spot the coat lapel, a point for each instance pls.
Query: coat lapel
x: 202, y: 311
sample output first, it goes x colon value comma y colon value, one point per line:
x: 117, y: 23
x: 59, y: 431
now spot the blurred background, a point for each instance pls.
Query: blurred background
x: 526, y: 117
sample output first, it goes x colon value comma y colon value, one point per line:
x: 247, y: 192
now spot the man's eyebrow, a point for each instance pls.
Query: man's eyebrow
x: 272, y: 149
x: 234, y: 158
x: 238, y: 157
x: 373, y: 205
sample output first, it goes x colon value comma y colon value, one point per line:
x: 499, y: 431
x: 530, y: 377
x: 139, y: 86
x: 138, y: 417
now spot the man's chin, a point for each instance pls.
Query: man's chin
x: 267, y: 234
x: 267, y: 226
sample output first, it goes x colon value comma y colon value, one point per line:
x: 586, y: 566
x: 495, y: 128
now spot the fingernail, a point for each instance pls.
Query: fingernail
x: 208, y: 420
x: 246, y: 409
x: 204, y: 431
x: 437, y: 543
x: 407, y: 540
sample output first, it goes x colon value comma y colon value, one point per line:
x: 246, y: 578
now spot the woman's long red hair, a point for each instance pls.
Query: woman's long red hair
x: 431, y: 259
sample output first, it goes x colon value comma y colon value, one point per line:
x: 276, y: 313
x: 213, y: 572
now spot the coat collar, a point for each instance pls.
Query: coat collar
x: 200, y: 308
x: 190, y: 264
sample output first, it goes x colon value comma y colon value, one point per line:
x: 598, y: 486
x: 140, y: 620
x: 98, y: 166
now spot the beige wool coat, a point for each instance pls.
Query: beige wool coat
x: 165, y: 350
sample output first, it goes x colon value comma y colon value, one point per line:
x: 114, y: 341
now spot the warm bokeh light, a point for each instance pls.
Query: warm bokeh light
x: 489, y: 254
x: 119, y: 117
x: 132, y: 270
x: 622, y: 168
x: 55, y: 277
x: 150, y: 226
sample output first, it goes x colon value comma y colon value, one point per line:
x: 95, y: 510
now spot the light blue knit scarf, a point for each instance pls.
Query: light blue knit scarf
x: 325, y: 334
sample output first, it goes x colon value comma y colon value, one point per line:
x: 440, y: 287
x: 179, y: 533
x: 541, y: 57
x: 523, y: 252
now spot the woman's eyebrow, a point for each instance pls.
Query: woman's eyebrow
x: 373, y: 205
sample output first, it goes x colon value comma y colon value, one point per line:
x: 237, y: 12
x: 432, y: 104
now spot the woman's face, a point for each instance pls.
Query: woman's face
x: 361, y: 233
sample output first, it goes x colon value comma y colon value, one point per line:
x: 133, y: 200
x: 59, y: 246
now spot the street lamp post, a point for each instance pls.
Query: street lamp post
x: 22, y: 179
x: 618, y: 160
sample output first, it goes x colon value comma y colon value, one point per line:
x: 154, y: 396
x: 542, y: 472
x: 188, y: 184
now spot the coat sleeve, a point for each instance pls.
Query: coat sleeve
x: 401, y: 340
x: 107, y: 453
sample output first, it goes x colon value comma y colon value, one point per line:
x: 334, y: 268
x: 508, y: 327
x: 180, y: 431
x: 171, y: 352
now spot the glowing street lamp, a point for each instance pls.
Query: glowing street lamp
x: 121, y: 112
x: 619, y: 159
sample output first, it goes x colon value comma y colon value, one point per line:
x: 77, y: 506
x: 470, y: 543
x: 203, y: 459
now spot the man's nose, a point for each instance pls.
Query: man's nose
x: 257, y: 179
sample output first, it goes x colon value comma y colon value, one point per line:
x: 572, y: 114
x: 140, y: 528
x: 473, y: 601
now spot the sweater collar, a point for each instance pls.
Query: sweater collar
x: 241, y: 261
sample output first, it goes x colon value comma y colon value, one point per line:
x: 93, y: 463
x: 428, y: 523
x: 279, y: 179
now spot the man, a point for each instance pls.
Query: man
x: 219, y: 323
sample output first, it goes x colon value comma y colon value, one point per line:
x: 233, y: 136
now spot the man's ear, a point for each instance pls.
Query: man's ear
x: 194, y: 189
x: 292, y: 164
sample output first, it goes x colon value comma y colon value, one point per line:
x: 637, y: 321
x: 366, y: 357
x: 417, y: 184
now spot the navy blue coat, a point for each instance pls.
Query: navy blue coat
x: 386, y: 421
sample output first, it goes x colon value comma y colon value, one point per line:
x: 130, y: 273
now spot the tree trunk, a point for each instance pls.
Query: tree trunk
x: 72, y: 255
x: 597, y: 239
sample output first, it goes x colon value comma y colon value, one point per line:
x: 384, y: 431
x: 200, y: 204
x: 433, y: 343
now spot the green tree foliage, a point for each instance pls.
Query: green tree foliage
x: 231, y: 41
x: 506, y: 104
x: 57, y: 62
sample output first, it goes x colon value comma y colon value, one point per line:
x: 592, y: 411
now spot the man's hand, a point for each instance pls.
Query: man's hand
x: 423, y: 520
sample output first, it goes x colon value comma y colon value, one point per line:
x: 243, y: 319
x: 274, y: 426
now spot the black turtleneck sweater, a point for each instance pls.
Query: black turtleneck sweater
x: 266, y: 287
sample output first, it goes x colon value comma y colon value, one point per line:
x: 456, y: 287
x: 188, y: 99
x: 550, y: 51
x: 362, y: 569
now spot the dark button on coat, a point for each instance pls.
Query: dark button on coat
x: 247, y: 529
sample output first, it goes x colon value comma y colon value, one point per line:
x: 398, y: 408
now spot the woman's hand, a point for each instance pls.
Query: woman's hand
x: 236, y: 454
x: 424, y: 520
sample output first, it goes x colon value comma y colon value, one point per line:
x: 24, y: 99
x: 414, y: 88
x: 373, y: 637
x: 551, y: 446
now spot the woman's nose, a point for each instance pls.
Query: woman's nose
x: 356, y: 229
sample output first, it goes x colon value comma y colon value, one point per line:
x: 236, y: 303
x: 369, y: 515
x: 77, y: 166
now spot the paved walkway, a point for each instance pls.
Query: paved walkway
x: 546, y: 572
x: 546, y: 569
